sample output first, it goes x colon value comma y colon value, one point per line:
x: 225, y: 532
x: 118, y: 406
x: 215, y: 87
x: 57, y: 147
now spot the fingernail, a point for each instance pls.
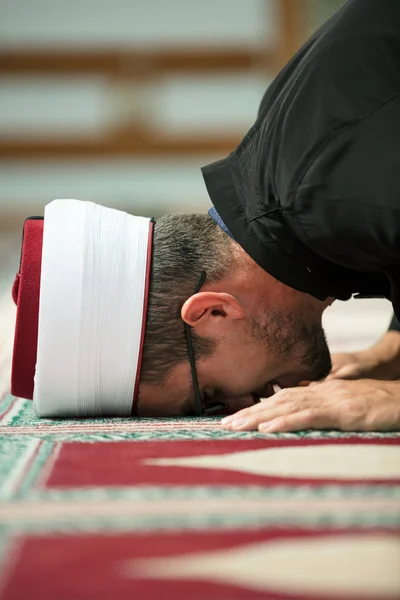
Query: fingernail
x: 265, y: 427
x: 226, y: 420
x: 239, y: 423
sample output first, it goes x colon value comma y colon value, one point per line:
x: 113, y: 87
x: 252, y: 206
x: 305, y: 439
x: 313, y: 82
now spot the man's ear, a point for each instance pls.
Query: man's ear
x: 207, y: 310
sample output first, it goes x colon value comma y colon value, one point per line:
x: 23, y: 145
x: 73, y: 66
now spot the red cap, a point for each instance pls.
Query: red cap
x: 41, y: 369
x: 26, y: 293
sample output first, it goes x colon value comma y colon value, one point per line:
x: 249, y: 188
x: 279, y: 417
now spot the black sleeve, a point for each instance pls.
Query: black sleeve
x: 336, y: 145
x: 394, y: 324
x: 348, y: 204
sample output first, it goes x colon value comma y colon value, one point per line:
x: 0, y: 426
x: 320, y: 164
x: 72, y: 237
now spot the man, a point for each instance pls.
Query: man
x: 311, y: 200
x: 306, y: 210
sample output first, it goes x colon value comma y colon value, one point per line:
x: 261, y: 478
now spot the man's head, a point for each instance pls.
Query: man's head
x: 248, y: 329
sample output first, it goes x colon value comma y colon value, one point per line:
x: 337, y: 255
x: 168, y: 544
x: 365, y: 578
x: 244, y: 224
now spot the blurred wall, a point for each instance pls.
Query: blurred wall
x: 102, y: 23
x: 69, y: 105
x: 65, y: 106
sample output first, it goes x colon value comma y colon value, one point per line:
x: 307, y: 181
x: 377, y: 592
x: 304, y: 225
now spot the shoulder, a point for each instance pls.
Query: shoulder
x: 346, y: 71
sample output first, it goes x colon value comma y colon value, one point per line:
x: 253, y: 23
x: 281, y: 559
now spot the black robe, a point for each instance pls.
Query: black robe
x: 312, y: 193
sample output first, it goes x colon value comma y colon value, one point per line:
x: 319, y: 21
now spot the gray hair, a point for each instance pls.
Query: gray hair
x: 184, y: 246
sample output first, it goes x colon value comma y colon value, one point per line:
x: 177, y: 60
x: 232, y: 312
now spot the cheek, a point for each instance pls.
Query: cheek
x: 241, y: 367
x: 243, y: 379
x: 253, y: 355
x: 255, y: 365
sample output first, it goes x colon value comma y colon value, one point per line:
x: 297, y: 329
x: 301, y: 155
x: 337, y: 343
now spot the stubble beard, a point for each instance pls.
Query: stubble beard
x: 290, y: 338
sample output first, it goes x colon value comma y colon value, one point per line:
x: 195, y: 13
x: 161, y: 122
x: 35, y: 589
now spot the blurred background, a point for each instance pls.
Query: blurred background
x: 122, y: 102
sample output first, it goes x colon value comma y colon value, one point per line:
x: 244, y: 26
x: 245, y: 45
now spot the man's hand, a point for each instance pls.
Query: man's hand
x: 381, y: 361
x: 354, y: 365
x: 363, y: 405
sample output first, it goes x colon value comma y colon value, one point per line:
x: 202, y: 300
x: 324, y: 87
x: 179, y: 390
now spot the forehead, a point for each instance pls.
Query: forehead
x: 172, y: 398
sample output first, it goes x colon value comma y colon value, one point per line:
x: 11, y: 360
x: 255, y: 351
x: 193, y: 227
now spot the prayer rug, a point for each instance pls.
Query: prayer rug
x: 179, y: 508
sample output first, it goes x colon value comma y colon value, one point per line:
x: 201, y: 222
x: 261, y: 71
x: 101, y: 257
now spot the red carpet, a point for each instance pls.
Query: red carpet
x: 181, y: 509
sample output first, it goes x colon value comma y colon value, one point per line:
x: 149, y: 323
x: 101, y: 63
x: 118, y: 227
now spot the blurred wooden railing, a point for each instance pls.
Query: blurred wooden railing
x: 134, y: 63
x: 129, y: 136
x: 133, y: 135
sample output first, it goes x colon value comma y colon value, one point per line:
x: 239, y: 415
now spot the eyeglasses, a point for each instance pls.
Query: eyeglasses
x: 201, y: 409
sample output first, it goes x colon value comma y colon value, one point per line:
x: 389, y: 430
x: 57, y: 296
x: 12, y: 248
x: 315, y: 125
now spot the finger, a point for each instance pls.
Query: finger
x: 305, y: 419
x: 282, y: 397
x: 245, y: 413
x: 248, y: 414
x: 251, y: 423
